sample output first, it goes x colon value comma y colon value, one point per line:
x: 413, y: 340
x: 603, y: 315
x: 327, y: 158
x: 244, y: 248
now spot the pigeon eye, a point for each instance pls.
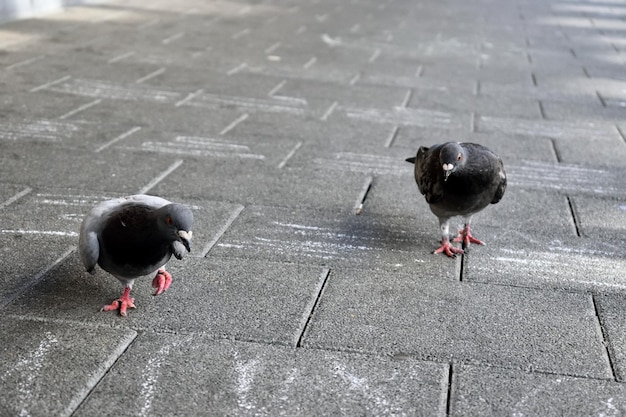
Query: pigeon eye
x: 458, y: 158
x: 169, y: 220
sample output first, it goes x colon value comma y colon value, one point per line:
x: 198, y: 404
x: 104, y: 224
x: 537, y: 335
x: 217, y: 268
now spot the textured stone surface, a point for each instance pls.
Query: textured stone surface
x: 498, y: 392
x: 548, y: 331
x: 37, y: 355
x: 278, y: 121
x: 250, y: 379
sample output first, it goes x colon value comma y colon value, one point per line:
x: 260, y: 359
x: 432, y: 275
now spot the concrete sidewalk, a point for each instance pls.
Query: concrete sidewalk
x: 275, y: 120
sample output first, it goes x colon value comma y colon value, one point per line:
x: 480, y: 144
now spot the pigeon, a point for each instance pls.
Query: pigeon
x: 458, y: 179
x: 132, y: 237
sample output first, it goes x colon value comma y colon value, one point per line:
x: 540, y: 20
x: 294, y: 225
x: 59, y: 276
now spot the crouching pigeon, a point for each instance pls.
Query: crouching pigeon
x: 458, y: 179
x: 132, y: 237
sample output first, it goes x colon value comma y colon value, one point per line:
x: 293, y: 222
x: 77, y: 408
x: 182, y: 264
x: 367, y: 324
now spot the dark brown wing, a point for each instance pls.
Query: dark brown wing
x: 501, y: 185
x: 428, y: 174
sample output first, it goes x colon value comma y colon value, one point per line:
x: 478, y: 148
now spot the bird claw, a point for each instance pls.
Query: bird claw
x: 161, y: 281
x: 448, y: 249
x: 465, y: 237
x: 123, y: 303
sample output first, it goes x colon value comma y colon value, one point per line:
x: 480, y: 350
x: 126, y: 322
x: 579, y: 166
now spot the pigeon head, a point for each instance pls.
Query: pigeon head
x: 176, y: 221
x: 451, y: 157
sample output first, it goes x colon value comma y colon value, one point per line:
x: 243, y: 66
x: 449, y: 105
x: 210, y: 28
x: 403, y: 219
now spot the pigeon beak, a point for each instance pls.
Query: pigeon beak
x: 447, y: 170
x: 185, y: 238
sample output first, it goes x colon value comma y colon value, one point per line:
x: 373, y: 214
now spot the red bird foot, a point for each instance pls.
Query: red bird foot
x: 465, y: 237
x: 161, y: 281
x: 122, y: 303
x: 448, y: 249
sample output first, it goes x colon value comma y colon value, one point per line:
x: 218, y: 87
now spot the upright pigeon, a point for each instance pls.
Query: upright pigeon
x: 132, y: 237
x: 458, y: 179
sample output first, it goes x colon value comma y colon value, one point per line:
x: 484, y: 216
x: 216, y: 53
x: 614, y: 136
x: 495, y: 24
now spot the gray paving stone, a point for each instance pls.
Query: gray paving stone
x: 38, y: 355
x: 526, y: 259
x: 456, y: 102
x: 332, y: 238
x: 548, y: 128
x: 600, y: 150
x: 337, y: 132
x: 26, y: 256
x: 504, y: 326
x: 610, y: 309
x: 254, y: 184
x: 591, y: 108
x: 273, y: 119
x: 259, y: 301
x: 601, y: 219
x: 125, y: 173
x: 497, y: 392
x: 233, y: 378
x: 566, y: 179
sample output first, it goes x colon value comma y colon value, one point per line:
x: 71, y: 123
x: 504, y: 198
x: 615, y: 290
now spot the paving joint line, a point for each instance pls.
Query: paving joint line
x: 542, y: 111
x: 94, y: 380
x: 360, y: 201
x: 50, y: 84
x: 234, y: 123
x: 36, y: 278
x: 605, y: 340
x: 277, y: 88
x: 392, y: 136
x: 329, y: 111
x: 231, y: 219
x: 355, y: 78
x: 273, y: 47
x: 319, y: 291
x: 120, y: 57
x: 118, y: 138
x: 172, y: 38
x: 555, y: 149
x: 24, y: 62
x: 407, y: 98
x: 189, y: 97
x: 240, y: 34
x: 574, y: 213
x: 16, y: 197
x: 161, y: 177
x: 310, y: 63
x: 80, y: 109
x: 236, y: 69
x: 619, y: 132
x: 449, y: 384
x: 291, y: 153
x: 150, y: 76
x: 374, y: 56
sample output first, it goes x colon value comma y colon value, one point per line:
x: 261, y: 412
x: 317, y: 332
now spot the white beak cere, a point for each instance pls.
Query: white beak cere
x: 185, y: 235
x: 447, y: 167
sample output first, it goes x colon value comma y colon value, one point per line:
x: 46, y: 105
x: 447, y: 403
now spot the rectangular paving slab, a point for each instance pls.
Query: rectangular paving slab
x: 417, y: 313
x: 485, y: 391
x: 522, y: 259
x: 49, y: 368
x: 610, y: 309
x: 246, y: 379
x: 260, y: 301
x: 332, y: 238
